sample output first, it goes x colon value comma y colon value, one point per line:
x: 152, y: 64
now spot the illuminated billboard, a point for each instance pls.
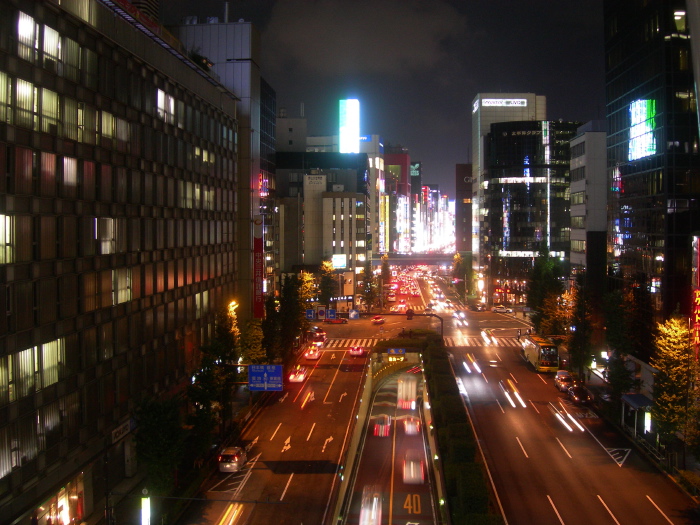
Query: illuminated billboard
x: 339, y: 260
x: 642, y: 123
x: 349, y: 133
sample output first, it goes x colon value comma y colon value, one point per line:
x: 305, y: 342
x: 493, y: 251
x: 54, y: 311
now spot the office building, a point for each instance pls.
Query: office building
x: 653, y: 161
x: 233, y: 51
x: 117, y: 228
x: 489, y: 108
x: 527, y: 198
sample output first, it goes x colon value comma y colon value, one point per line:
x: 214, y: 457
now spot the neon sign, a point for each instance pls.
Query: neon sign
x: 642, y: 123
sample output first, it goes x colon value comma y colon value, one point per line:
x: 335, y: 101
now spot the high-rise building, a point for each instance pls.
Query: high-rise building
x: 117, y: 213
x: 527, y: 201
x: 653, y: 161
x: 489, y: 108
x: 233, y: 51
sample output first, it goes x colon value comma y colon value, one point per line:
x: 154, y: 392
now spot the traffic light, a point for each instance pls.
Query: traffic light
x: 409, y: 314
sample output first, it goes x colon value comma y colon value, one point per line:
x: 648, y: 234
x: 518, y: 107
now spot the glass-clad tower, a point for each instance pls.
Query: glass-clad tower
x: 527, y: 198
x: 653, y: 163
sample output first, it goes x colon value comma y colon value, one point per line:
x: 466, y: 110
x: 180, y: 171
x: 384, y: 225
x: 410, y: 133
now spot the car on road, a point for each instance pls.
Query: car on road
x: 371, y: 505
x: 298, y: 374
x: 313, y: 353
x: 488, y: 337
x: 579, y: 394
x: 512, y: 393
x: 391, y: 298
x: 357, y: 351
x: 411, y: 425
x: 382, y: 425
x: 501, y: 309
x: 232, y: 459
x: 337, y: 320
x: 478, y: 307
x: 563, y: 380
x: 377, y: 319
x: 413, y: 471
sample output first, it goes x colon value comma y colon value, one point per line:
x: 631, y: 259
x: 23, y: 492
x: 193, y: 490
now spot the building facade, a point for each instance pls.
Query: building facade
x: 653, y: 160
x: 489, y: 108
x: 117, y: 228
x: 233, y: 50
x: 527, y: 198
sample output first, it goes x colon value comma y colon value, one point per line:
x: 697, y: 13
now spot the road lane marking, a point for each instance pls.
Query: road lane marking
x: 657, y: 508
x: 499, y: 406
x: 522, y: 447
x: 533, y: 406
x: 555, y: 510
x: 325, y: 399
x: 275, y: 432
x: 609, y: 511
x: 567, y: 452
x: 310, y: 431
x: 540, y: 378
x: 287, y: 486
x: 511, y: 375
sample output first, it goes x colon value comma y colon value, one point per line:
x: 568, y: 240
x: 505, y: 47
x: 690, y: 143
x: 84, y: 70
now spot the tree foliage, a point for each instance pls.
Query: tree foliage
x: 620, y: 377
x: 369, y: 290
x: 291, y: 314
x: 676, y: 367
x: 545, y: 282
x: 386, y: 270
x: 640, y: 331
x: 459, y: 273
x: 271, y: 341
x: 159, y: 442
x: 579, y: 340
x: 327, y: 283
x: 616, y: 325
x: 252, y: 350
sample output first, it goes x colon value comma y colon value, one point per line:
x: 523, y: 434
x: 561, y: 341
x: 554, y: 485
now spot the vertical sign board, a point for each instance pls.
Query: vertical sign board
x: 265, y: 378
x: 695, y: 269
x: 258, y: 268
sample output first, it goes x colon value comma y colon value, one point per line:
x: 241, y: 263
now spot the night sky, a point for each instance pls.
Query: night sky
x: 416, y: 65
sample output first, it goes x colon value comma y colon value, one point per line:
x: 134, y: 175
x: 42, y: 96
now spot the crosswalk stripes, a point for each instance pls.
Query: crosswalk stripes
x: 510, y: 342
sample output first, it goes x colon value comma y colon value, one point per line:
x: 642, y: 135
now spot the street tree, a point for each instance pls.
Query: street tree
x: 271, y: 330
x: 616, y: 315
x: 640, y: 328
x: 327, y: 283
x: 386, y: 270
x: 252, y: 351
x: 620, y: 377
x: 676, y: 369
x: 579, y: 340
x: 369, y: 290
x: 291, y: 315
x: 459, y: 274
x: 160, y: 442
x: 307, y: 288
x: 544, y: 282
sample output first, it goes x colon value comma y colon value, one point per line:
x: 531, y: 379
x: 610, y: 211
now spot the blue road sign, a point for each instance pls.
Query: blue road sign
x: 265, y: 377
x: 395, y: 351
x: 330, y: 313
x: 310, y: 314
x: 354, y: 314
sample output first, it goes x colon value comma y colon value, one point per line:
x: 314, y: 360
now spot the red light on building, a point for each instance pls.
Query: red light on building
x: 696, y: 320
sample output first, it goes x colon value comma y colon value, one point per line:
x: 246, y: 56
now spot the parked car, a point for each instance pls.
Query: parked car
x: 563, y: 380
x: 580, y: 394
x: 357, y: 351
x: 501, y: 309
x: 377, y: 319
x: 337, y: 320
x: 232, y: 459
x: 298, y: 375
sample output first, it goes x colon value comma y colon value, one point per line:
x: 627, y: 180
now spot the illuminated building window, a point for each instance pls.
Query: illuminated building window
x: 121, y: 285
x: 49, y: 111
x: 165, y: 105
x: 26, y: 97
x: 7, y: 239
x: 27, y: 37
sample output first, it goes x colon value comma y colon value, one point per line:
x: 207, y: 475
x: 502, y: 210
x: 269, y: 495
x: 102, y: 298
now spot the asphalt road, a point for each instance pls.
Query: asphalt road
x: 544, y: 472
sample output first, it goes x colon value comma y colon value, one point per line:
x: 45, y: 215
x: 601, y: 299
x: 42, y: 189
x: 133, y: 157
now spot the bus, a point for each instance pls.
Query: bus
x: 541, y: 352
